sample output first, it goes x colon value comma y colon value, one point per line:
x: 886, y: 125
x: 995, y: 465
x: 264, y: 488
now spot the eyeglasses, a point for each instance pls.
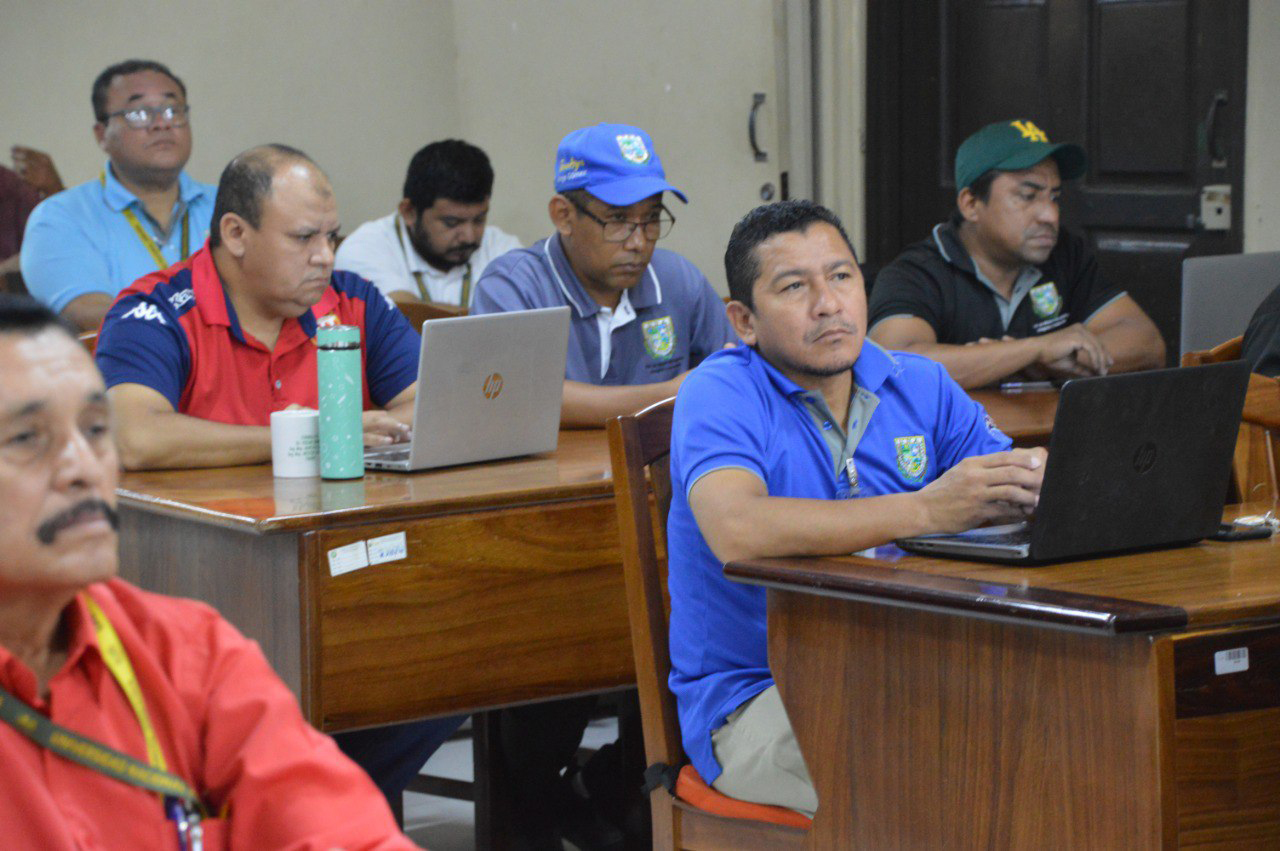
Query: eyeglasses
x: 141, y: 117
x: 654, y: 228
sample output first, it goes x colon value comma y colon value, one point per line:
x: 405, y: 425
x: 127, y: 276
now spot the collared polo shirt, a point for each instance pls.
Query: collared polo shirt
x: 678, y: 318
x: 176, y: 332
x: 936, y: 280
x: 78, y: 241
x: 737, y: 411
x: 226, y: 723
x: 380, y: 251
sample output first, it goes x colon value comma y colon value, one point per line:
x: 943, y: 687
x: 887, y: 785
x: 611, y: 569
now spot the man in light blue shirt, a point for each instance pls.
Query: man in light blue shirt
x: 642, y: 316
x: 141, y: 214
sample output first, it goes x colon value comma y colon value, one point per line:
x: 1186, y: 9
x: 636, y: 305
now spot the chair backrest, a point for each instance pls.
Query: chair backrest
x: 89, y: 339
x: 418, y: 312
x: 639, y: 447
x: 1230, y: 350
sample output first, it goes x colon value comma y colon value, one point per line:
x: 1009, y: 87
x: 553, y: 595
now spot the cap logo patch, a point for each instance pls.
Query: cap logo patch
x: 659, y: 337
x: 1045, y: 300
x: 633, y: 149
x: 1030, y: 131
x: 913, y: 457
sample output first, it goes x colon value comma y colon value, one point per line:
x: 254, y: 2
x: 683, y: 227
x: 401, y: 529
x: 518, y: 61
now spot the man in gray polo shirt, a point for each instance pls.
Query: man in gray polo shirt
x: 642, y: 316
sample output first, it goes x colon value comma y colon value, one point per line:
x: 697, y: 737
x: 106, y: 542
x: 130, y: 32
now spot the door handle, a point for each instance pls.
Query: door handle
x: 757, y: 101
x: 1217, y: 158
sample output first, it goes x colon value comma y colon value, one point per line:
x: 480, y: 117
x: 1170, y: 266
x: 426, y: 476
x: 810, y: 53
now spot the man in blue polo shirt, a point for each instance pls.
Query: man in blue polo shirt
x: 808, y: 440
x: 642, y: 316
x: 141, y: 214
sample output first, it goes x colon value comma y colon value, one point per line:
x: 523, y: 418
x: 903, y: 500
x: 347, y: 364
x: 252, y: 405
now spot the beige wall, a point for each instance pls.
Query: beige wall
x: 359, y: 92
x: 1262, y: 123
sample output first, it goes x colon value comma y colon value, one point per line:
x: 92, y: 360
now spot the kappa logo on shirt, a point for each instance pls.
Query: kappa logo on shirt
x: 178, y: 299
x: 146, y: 312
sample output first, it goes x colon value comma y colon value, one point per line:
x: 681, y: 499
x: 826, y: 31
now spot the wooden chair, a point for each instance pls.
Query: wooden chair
x: 1253, y: 469
x: 687, y: 814
x: 418, y: 312
x: 89, y: 339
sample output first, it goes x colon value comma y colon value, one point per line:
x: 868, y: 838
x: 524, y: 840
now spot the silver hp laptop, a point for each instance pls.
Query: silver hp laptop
x: 1136, y: 461
x: 488, y: 387
x: 1220, y: 294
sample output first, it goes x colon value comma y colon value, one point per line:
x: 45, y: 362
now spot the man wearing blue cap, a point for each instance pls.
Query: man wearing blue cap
x: 642, y: 316
x: 994, y: 292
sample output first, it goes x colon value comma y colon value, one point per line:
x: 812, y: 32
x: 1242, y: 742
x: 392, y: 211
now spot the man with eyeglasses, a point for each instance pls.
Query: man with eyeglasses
x: 141, y: 214
x: 642, y: 316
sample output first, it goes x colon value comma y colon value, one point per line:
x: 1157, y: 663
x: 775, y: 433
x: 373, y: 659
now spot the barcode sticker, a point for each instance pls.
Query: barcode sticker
x: 346, y: 559
x: 1231, y: 661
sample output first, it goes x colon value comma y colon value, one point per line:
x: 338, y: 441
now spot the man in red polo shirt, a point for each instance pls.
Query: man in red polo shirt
x: 198, y: 356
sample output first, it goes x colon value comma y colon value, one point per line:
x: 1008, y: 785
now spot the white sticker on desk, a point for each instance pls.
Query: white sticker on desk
x: 346, y: 559
x: 1231, y: 661
x: 388, y: 548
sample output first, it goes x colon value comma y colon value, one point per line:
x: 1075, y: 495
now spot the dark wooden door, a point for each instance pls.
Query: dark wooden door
x: 1153, y: 90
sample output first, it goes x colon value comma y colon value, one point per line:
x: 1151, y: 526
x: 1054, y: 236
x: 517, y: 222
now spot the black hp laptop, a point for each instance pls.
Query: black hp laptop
x: 1136, y: 461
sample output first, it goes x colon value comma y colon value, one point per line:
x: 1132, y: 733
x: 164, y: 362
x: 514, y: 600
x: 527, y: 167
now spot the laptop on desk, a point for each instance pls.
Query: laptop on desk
x: 488, y: 387
x: 1220, y: 295
x: 1136, y: 461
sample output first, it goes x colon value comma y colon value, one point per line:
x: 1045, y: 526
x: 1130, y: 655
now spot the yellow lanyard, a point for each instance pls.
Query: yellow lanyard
x: 122, y: 669
x: 153, y: 248
x: 417, y: 276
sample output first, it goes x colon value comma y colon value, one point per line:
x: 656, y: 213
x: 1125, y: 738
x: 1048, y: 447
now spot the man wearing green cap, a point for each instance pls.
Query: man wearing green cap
x: 994, y: 292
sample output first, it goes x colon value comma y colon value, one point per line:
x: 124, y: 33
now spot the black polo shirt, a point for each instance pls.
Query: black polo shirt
x: 1262, y: 338
x: 936, y: 280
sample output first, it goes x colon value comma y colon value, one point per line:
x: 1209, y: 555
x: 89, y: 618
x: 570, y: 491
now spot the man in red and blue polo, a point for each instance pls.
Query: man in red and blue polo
x: 198, y: 356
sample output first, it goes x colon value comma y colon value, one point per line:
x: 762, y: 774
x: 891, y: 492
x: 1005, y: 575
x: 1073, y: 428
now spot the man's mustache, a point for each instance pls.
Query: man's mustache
x: 469, y: 248
x: 49, y: 529
x: 847, y: 327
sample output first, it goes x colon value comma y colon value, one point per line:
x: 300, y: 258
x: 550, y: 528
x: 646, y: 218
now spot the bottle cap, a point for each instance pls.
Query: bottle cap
x: 338, y: 336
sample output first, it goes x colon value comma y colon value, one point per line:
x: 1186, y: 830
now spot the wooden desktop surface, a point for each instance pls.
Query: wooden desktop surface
x: 953, y: 704
x: 511, y: 591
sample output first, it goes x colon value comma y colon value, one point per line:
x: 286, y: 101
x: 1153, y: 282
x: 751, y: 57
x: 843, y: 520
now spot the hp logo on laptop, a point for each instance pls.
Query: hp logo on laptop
x: 1144, y: 458
x: 492, y: 385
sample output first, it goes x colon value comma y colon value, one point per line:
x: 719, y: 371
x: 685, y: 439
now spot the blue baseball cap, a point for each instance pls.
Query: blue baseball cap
x: 614, y: 162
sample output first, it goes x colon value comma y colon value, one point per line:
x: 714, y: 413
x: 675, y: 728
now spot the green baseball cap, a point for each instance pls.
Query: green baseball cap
x: 1013, y: 146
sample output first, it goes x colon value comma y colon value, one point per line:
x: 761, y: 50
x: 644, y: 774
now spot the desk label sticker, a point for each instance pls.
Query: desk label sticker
x: 388, y: 548
x: 346, y: 559
x: 1231, y: 661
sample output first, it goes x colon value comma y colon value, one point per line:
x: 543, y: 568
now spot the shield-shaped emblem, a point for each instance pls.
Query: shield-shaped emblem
x: 913, y: 459
x: 1045, y: 300
x: 632, y: 147
x: 659, y: 337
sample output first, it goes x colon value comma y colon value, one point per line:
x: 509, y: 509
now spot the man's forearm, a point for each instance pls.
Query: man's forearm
x: 169, y: 440
x: 86, y: 311
x: 589, y: 405
x: 765, y: 526
x: 980, y: 364
x: 1134, y: 344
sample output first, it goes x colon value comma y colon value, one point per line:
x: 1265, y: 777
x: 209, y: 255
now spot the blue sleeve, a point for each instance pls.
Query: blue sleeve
x: 714, y: 427
x: 391, y: 362
x: 141, y: 342
x: 499, y: 291
x: 60, y: 259
x: 711, y: 328
x: 964, y: 428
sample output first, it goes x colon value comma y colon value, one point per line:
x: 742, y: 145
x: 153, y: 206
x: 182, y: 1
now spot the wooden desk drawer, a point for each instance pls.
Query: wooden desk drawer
x: 1231, y: 670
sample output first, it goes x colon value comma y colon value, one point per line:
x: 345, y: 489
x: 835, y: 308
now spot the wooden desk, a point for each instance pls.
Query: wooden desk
x: 946, y: 704
x: 511, y: 590
x: 1025, y: 417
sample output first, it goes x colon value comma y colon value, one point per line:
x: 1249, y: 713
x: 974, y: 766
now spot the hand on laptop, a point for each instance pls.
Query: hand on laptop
x: 1001, y: 487
x: 381, y: 429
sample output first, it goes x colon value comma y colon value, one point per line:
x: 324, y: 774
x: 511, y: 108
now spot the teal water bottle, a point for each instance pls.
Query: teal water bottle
x: 341, y: 402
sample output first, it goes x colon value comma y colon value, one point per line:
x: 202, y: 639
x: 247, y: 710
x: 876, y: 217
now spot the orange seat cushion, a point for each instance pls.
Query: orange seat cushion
x: 691, y: 789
